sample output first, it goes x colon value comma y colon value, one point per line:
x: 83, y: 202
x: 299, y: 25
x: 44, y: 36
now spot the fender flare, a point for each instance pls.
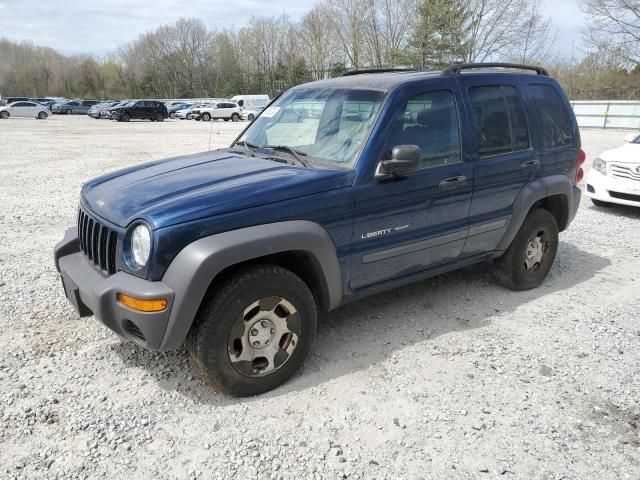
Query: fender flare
x: 535, y: 191
x: 191, y: 272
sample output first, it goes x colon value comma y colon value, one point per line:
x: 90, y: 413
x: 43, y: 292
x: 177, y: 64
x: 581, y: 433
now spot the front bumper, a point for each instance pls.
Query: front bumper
x: 609, y: 189
x: 92, y: 293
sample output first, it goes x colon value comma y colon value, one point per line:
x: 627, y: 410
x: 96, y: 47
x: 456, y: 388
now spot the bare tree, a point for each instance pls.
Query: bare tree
x: 318, y: 40
x: 349, y: 17
x: 618, y: 23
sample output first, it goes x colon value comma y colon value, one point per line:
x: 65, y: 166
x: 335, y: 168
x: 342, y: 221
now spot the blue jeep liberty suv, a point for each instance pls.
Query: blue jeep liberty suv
x: 341, y: 188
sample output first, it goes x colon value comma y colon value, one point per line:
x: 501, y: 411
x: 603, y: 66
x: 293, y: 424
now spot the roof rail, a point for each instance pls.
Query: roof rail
x: 455, y: 68
x: 377, y: 70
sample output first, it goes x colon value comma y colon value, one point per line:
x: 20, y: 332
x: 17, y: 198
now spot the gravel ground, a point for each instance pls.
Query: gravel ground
x: 454, y: 377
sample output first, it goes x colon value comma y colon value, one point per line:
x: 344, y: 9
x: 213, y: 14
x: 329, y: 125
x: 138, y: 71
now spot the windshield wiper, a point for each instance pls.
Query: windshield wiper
x: 297, y: 154
x: 248, y: 147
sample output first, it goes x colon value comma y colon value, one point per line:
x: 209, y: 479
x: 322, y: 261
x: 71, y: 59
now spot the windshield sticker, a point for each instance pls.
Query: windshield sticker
x: 270, y: 112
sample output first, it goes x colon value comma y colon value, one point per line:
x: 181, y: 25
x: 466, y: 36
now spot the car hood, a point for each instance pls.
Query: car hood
x: 186, y: 188
x: 629, y: 153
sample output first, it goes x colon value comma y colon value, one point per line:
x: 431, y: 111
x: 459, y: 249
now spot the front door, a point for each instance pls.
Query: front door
x: 409, y: 224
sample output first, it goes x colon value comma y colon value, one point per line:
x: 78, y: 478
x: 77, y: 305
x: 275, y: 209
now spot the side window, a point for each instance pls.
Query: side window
x: 556, y: 126
x: 430, y: 121
x: 499, y: 119
x: 21, y: 104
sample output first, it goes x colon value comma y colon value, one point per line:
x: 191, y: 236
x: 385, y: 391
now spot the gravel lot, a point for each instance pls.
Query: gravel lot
x: 454, y: 377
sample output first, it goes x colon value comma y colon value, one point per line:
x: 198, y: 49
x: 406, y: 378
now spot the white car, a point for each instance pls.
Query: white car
x: 187, y: 113
x: 225, y: 110
x: 251, y: 114
x: 25, y: 109
x: 615, y: 175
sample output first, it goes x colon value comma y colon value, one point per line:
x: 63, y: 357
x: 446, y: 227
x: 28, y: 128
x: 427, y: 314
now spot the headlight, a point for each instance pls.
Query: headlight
x: 140, y: 245
x: 600, y: 165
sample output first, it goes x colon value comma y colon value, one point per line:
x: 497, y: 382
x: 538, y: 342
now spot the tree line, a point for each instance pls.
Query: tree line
x: 270, y: 54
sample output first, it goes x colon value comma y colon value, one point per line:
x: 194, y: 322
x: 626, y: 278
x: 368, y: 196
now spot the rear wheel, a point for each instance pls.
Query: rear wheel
x: 42, y: 115
x: 250, y: 117
x: 530, y: 256
x: 254, y: 333
x: 235, y: 117
x: 159, y: 117
x: 600, y: 203
x: 172, y: 115
x: 206, y: 117
x: 5, y: 114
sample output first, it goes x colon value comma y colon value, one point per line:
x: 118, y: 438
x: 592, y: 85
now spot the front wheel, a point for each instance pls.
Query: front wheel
x: 250, y: 117
x: 125, y: 117
x: 206, y: 117
x: 235, y: 117
x: 254, y: 332
x: 172, y: 116
x: 5, y: 115
x: 159, y: 117
x: 530, y: 256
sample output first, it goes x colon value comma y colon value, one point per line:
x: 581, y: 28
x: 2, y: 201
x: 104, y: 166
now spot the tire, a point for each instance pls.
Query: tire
x: 226, y: 119
x: 172, y: 116
x: 235, y: 117
x: 206, y: 117
x: 42, y: 116
x: 5, y: 115
x: 254, y: 302
x: 530, y: 256
x: 251, y: 117
x: 189, y: 116
x: 125, y: 117
x: 600, y: 203
x: 159, y: 117
x: 68, y: 112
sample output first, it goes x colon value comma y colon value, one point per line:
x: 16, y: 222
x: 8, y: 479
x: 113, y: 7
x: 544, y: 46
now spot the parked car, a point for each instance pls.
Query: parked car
x: 47, y: 102
x: 24, y: 109
x: 74, y: 107
x: 177, y: 106
x: 106, y: 112
x: 10, y: 100
x: 404, y: 175
x: 187, y: 113
x: 96, y: 110
x: 251, y: 114
x: 251, y: 102
x: 221, y: 110
x: 153, y: 110
x: 615, y: 175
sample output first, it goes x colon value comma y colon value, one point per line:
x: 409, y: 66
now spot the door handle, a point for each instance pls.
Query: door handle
x: 453, y: 182
x: 530, y: 164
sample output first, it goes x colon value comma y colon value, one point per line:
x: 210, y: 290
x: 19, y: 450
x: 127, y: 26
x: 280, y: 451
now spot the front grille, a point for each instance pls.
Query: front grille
x: 97, y: 242
x: 625, y: 196
x: 623, y: 171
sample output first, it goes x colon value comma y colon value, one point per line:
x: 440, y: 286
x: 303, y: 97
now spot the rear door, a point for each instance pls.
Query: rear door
x: 409, y: 224
x: 503, y: 156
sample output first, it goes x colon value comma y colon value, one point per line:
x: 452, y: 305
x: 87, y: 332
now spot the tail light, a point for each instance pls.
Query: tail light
x: 579, y: 162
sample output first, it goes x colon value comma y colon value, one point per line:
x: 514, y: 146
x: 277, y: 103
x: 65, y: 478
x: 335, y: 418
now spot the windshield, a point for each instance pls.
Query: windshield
x: 329, y: 125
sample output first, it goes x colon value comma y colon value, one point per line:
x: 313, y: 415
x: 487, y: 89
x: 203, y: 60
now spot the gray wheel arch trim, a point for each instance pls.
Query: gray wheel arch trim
x: 534, y: 191
x: 195, y: 267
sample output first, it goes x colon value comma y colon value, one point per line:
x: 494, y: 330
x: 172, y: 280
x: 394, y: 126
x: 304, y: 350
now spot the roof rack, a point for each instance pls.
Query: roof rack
x: 458, y: 67
x: 377, y: 70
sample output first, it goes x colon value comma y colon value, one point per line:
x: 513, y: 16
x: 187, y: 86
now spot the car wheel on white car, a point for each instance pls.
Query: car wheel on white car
x: 251, y: 117
x: 5, y: 114
x: 235, y: 117
x: 42, y: 115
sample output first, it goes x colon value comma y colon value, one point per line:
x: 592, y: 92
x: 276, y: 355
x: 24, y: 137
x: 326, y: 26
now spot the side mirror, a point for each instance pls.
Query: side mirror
x: 405, y: 159
x: 630, y: 137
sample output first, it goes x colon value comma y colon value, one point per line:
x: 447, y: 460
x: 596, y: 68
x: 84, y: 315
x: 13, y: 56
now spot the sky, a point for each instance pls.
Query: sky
x: 99, y: 27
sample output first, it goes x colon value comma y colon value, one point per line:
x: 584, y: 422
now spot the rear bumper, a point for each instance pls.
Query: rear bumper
x: 92, y: 293
x: 612, y: 190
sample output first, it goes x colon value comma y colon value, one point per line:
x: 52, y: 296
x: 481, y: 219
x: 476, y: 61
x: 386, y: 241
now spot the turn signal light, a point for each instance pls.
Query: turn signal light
x: 154, y: 305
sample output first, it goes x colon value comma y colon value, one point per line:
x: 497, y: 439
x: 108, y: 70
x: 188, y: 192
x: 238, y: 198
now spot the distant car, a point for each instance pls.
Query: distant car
x: 24, y: 109
x: 251, y: 102
x: 10, y: 100
x: 172, y: 109
x: 251, y: 114
x: 187, y: 113
x: 96, y: 110
x: 221, y: 110
x: 615, y: 175
x: 47, y: 102
x: 74, y: 107
x: 153, y: 110
x: 106, y: 112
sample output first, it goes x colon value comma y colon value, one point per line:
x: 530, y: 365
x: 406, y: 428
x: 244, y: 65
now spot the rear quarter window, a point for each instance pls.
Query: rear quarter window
x: 554, y: 118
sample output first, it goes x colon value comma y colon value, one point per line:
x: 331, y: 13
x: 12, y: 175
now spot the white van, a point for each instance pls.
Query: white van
x: 251, y: 102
